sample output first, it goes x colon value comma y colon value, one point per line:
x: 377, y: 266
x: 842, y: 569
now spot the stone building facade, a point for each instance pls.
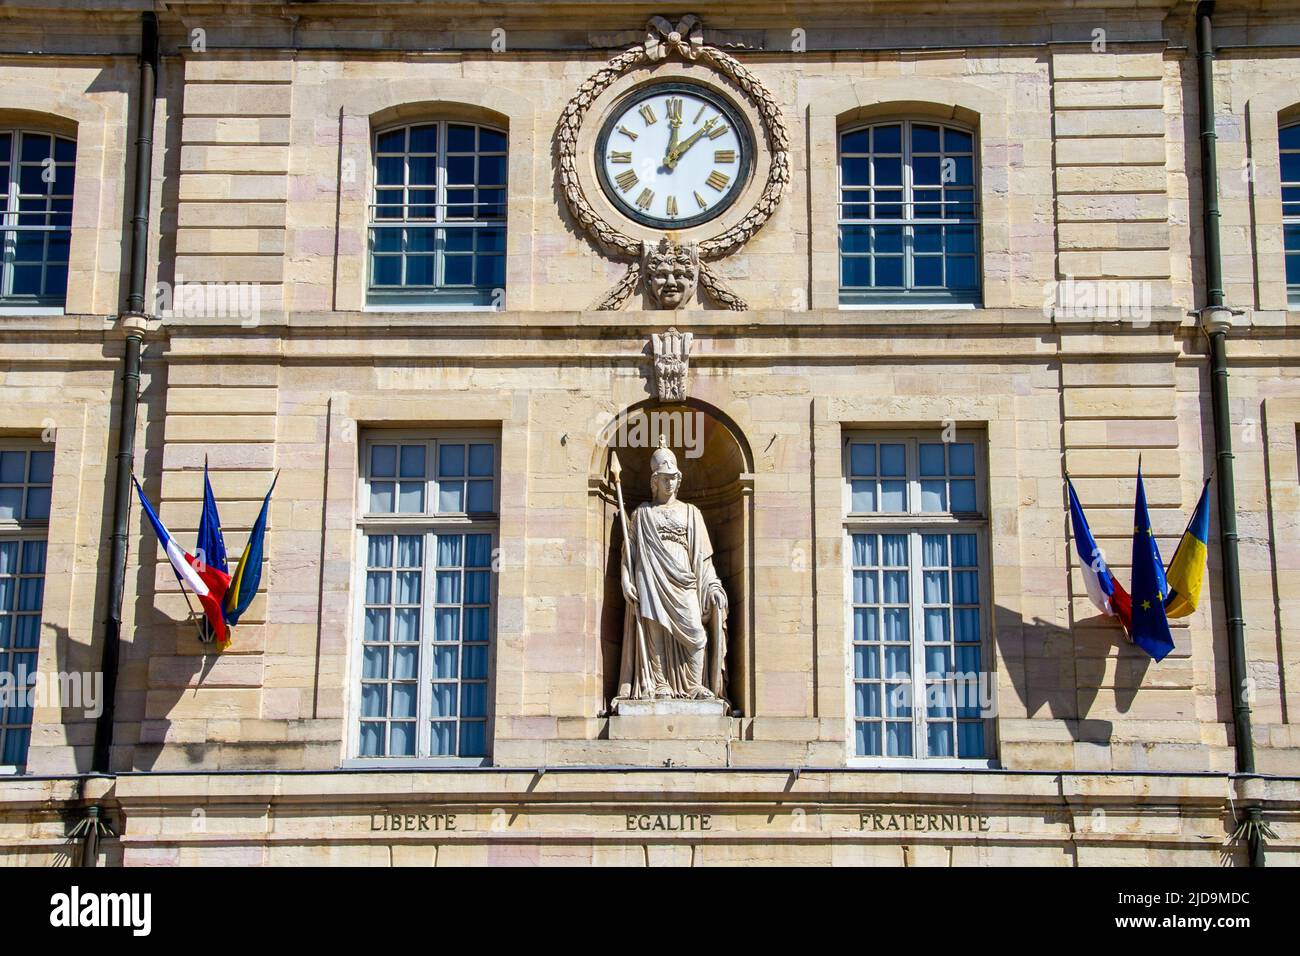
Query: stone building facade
x: 511, y: 346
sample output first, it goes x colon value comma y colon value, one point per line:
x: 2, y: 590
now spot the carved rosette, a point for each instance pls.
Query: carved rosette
x: 663, y: 40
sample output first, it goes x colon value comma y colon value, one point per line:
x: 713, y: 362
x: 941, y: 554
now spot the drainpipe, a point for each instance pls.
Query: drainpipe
x: 1216, y: 320
x: 133, y: 321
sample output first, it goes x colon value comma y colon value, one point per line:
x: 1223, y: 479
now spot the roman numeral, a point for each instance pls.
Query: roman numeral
x: 672, y: 205
x: 715, y: 133
x: 675, y: 109
x: 718, y: 180
x: 724, y: 155
x: 700, y: 199
x: 703, y: 106
x: 644, y: 200
x: 647, y: 114
x: 626, y: 180
x: 616, y: 157
x: 627, y: 132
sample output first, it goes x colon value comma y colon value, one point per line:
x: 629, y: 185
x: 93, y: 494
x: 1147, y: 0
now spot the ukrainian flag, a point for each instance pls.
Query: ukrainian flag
x: 1186, y: 571
x: 247, y: 576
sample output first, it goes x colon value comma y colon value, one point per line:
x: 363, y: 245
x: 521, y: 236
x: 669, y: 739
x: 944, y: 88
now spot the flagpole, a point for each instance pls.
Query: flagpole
x: 1192, y: 518
x: 193, y: 617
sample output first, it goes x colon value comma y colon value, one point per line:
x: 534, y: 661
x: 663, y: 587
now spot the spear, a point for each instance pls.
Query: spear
x: 616, y: 472
x: 625, y: 677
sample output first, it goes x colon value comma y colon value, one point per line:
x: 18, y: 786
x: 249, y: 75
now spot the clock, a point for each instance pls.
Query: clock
x: 674, y: 155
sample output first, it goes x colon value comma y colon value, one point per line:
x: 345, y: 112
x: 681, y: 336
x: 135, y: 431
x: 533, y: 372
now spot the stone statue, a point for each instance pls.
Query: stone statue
x: 675, y: 627
x: 672, y: 270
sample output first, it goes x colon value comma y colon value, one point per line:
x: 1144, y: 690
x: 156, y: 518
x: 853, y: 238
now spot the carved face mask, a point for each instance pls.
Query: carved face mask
x: 671, y: 271
x: 671, y: 282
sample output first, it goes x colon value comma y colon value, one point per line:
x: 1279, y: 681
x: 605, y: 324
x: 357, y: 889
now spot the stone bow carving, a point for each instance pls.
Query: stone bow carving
x: 672, y: 357
x: 660, y: 42
x: 661, y: 38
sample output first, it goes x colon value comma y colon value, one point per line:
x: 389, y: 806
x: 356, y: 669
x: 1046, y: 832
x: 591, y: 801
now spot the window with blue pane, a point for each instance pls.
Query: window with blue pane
x: 391, y: 645
x: 1289, y: 141
x: 36, y: 179
x: 428, y: 532
x: 462, y: 620
x: 438, y: 218
x: 917, y: 628
x: 908, y: 214
x: 882, y: 668
x: 26, y: 476
x: 415, y: 477
x: 878, y: 476
x: 952, y: 647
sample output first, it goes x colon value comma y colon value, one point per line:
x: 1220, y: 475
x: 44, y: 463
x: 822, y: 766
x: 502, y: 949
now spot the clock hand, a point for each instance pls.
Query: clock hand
x: 674, y: 125
x: 686, y: 144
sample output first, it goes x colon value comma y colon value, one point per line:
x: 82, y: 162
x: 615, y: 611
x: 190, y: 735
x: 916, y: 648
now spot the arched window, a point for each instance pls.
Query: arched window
x: 36, y: 173
x: 908, y: 214
x: 1289, y: 140
x: 437, y: 222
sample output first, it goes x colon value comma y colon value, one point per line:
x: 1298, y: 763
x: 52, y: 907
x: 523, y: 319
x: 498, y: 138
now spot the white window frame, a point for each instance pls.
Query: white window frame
x: 9, y: 213
x: 1292, y: 289
x: 915, y: 523
x: 435, y: 298
x: 909, y: 297
x: 21, y: 530
x: 429, y: 525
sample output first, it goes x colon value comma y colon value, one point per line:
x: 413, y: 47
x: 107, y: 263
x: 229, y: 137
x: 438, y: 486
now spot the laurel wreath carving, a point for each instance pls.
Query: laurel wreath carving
x: 720, y: 293
x: 613, y: 300
x: 685, y: 40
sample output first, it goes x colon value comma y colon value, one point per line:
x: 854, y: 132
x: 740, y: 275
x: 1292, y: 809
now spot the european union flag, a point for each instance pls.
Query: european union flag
x: 211, y: 551
x: 248, y: 573
x: 1150, y: 625
x: 211, y: 545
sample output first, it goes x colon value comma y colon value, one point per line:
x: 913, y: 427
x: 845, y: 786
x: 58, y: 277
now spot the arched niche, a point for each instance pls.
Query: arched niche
x: 717, y: 477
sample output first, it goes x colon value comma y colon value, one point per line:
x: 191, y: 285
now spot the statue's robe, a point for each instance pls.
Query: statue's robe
x: 667, y: 642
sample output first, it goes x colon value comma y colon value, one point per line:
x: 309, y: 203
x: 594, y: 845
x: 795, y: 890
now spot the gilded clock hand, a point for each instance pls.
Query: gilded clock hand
x: 680, y: 151
x: 673, y: 125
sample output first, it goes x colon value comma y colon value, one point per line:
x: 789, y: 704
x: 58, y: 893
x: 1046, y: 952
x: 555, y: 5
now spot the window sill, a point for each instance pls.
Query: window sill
x: 919, y: 763
x: 410, y: 763
x: 878, y: 518
x: 32, y: 310
x: 430, y: 307
x: 906, y: 307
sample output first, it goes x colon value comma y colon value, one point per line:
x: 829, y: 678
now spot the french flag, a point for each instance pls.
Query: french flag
x: 1106, y: 592
x: 208, y: 583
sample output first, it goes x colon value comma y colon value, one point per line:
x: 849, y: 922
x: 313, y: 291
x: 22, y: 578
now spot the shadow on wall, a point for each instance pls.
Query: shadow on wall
x: 161, y: 654
x: 1064, y: 669
x: 171, y: 655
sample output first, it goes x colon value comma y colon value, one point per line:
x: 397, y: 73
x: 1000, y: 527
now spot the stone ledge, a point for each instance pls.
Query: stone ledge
x: 661, y: 783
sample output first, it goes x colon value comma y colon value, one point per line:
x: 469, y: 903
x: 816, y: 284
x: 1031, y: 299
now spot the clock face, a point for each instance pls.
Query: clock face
x: 673, y: 155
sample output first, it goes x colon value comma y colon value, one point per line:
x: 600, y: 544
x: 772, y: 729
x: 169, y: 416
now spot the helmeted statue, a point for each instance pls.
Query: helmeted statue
x: 675, y: 627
